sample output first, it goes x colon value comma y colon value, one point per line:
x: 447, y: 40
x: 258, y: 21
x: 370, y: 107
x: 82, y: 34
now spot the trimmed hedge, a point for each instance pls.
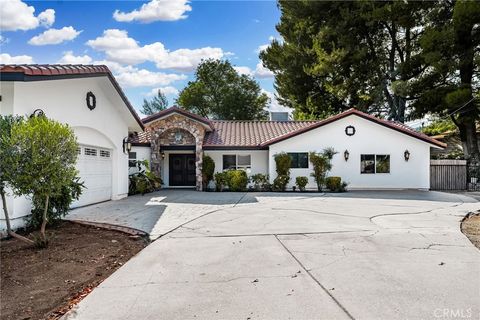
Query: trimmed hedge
x: 301, y: 182
x: 237, y: 180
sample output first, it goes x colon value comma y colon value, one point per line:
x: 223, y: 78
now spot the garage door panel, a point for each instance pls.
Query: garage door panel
x: 95, y: 170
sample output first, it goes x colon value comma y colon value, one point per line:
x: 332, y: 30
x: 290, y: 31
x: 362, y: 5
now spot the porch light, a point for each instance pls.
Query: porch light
x: 346, y: 155
x: 406, y: 155
x: 127, y: 145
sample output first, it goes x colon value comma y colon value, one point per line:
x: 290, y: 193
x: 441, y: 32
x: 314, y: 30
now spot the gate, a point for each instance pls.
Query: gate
x: 473, y: 177
x: 448, y: 175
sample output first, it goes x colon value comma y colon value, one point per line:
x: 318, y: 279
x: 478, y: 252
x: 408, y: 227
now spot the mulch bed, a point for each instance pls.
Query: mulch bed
x: 471, y: 228
x: 46, y: 283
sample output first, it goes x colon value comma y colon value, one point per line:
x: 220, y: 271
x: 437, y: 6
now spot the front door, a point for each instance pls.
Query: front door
x: 182, y: 170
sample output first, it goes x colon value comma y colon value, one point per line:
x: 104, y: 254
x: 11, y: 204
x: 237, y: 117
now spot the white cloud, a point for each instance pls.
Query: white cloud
x: 156, y: 10
x: 146, y: 78
x: 274, y: 104
x: 169, y: 90
x: 54, y: 36
x: 262, y: 48
x: 17, y: 15
x: 243, y: 70
x: 115, y: 67
x: 5, y: 58
x: 262, y: 72
x: 119, y: 47
x: 259, y: 72
x: 46, y: 18
x: 69, y: 58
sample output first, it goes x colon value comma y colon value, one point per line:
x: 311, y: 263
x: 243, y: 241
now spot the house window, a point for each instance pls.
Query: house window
x: 104, y: 154
x: 90, y: 152
x: 370, y: 163
x: 299, y: 160
x: 236, y: 161
x: 132, y: 158
x: 79, y: 150
x: 382, y: 163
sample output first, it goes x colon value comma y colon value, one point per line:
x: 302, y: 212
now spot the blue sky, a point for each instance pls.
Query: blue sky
x: 146, y: 44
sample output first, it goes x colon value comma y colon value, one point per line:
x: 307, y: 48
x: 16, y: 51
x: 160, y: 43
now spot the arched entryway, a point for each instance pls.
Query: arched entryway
x: 177, y: 151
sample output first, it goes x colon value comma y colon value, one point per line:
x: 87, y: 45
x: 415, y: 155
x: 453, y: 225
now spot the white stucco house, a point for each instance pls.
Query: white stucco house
x: 91, y: 102
x: 372, y: 153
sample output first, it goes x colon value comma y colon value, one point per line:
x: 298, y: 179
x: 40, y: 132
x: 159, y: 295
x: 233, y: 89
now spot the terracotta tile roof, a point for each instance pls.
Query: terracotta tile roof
x: 250, y: 133
x: 261, y: 134
x: 38, y: 72
x: 53, y: 69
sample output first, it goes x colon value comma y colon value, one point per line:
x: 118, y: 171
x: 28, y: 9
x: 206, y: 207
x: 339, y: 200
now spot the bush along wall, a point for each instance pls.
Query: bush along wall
x: 283, y: 163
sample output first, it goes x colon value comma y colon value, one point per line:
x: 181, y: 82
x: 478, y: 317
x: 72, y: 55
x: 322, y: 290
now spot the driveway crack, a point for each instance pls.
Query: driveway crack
x: 315, y: 279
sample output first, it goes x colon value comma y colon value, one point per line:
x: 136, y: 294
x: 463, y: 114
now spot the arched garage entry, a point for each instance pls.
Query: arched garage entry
x: 95, y: 165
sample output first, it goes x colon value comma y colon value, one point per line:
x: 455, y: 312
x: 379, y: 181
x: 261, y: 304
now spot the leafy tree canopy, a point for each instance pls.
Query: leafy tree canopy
x: 219, y: 92
x: 341, y: 54
x: 156, y: 104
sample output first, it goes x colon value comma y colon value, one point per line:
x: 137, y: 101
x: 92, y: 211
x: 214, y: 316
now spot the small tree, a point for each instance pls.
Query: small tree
x: 158, y: 103
x: 7, y: 167
x: 208, y: 168
x: 322, y: 163
x: 44, y: 153
x: 283, y: 162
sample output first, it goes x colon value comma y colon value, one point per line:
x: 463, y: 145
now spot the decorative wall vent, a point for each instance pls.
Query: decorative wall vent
x: 91, y: 100
x: 350, y: 130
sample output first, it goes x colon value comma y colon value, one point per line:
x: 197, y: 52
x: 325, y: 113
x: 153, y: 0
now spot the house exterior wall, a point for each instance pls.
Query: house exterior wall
x: 64, y: 100
x: 143, y: 153
x: 369, y: 138
x: 259, y: 159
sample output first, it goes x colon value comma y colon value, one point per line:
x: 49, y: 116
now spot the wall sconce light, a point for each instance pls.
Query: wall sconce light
x: 37, y: 113
x: 127, y: 145
x: 162, y: 155
x: 406, y: 155
x: 346, y: 155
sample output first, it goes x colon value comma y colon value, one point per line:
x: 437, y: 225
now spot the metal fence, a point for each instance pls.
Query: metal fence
x: 454, y: 175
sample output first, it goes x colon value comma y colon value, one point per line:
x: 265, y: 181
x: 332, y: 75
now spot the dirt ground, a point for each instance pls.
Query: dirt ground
x: 471, y: 228
x: 43, y: 283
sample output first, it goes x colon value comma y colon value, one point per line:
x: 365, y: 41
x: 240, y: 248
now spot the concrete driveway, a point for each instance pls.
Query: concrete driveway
x: 356, y: 255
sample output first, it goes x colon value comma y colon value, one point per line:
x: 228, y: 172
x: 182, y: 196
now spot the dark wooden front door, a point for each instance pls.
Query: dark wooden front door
x: 182, y: 170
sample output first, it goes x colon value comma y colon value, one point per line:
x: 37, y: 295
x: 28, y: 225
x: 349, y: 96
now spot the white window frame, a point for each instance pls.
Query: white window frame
x: 245, y: 167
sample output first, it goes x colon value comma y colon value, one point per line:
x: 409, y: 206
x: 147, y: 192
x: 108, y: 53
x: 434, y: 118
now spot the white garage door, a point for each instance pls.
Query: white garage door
x: 95, y: 170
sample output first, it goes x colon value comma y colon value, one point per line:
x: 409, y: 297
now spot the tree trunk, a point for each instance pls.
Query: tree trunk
x: 471, y: 141
x: 7, y: 221
x: 44, y: 220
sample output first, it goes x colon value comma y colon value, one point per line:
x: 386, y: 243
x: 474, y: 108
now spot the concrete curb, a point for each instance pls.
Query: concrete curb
x: 113, y: 227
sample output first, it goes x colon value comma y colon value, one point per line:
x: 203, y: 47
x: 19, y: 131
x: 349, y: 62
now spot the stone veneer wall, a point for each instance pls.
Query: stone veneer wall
x: 164, y: 131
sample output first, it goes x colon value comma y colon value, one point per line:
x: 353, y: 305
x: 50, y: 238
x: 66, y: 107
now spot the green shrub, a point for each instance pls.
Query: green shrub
x: 301, y: 182
x: 220, y: 180
x: 143, y: 181
x: 280, y: 183
x: 322, y: 163
x: 335, y: 184
x: 237, y: 180
x: 260, y: 182
x: 58, y: 206
x: 283, y: 163
x: 208, y: 168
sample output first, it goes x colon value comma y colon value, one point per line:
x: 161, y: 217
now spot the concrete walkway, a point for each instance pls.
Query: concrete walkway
x: 357, y: 255
x: 156, y: 213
